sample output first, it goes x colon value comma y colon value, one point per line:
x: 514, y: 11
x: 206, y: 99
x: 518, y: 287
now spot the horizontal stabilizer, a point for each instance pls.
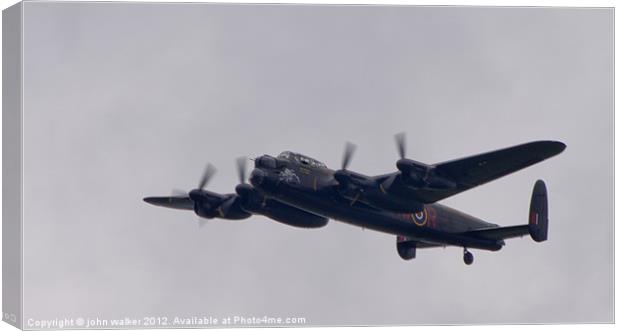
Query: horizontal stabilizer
x: 500, y: 233
x: 537, y: 226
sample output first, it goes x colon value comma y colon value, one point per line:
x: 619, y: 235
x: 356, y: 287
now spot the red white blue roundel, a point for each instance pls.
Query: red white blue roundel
x: 419, y: 218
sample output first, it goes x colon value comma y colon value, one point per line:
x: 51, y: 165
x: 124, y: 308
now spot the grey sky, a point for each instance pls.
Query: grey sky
x: 125, y: 100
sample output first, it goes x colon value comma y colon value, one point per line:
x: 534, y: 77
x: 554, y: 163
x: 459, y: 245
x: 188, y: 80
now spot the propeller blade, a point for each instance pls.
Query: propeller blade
x: 206, y: 176
x: 400, y: 144
x: 349, y: 148
x: 241, y: 168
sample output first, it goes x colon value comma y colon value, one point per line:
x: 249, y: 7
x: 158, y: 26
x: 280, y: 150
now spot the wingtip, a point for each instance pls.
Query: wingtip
x: 170, y: 202
x: 563, y: 145
x: 552, y: 147
x: 558, y: 146
x: 150, y: 200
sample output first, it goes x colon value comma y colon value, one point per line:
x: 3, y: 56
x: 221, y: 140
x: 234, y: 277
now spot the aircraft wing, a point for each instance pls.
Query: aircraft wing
x: 177, y: 202
x: 476, y: 170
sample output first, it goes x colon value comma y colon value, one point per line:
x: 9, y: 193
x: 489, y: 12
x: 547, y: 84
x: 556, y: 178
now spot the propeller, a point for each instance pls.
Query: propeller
x: 206, y: 176
x: 204, y: 180
x: 244, y: 190
x: 197, y: 195
x: 415, y: 173
x: 241, y: 168
x: 207, y: 204
x: 342, y: 176
x: 349, y: 149
x: 404, y: 165
x: 400, y: 143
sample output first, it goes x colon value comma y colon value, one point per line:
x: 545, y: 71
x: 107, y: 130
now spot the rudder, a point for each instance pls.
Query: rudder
x: 539, y: 222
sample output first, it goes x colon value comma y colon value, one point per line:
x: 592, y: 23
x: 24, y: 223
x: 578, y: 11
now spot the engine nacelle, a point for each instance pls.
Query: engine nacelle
x: 204, y: 210
x: 413, y: 172
x: 205, y: 202
x: 418, y: 174
x: 229, y: 208
x: 406, y: 248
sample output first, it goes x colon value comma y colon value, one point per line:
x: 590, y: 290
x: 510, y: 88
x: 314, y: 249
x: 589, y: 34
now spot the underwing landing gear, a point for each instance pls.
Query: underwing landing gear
x: 468, y: 257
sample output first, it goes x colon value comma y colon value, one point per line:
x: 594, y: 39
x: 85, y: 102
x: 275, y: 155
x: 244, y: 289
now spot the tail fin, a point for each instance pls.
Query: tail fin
x: 539, y: 223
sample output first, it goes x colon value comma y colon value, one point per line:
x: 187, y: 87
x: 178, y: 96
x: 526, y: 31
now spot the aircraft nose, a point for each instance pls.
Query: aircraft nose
x: 257, y: 177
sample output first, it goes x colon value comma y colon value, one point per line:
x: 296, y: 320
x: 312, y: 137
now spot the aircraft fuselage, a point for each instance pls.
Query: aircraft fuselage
x: 315, y: 190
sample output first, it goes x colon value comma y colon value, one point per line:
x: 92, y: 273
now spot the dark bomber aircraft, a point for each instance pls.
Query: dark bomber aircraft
x: 300, y: 191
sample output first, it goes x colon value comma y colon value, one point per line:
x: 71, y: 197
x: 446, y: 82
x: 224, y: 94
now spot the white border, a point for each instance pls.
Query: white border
x: 508, y: 3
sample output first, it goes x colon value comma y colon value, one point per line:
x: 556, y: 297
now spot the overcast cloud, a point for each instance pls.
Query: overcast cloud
x: 126, y: 100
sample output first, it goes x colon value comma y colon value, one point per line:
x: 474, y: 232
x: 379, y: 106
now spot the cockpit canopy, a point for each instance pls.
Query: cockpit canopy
x: 301, y: 159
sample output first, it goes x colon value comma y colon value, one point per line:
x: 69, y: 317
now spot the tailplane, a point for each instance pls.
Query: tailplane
x: 538, y: 224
